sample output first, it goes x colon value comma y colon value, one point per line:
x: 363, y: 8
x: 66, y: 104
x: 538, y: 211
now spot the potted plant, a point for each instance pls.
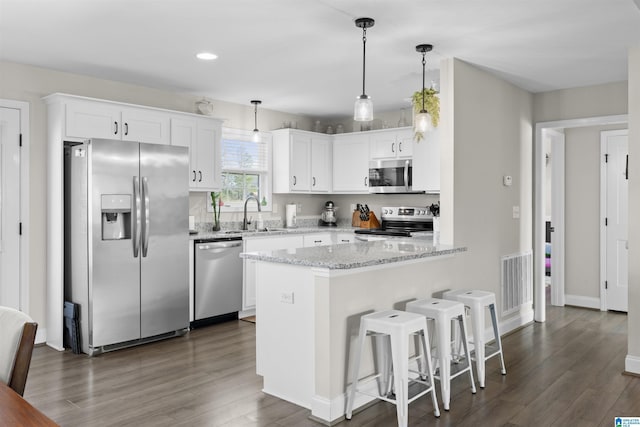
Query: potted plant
x: 216, y: 202
x: 428, y: 100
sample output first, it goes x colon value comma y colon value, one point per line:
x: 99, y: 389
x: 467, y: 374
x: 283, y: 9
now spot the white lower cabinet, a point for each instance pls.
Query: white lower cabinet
x: 261, y: 243
x: 318, y: 239
x: 340, y: 238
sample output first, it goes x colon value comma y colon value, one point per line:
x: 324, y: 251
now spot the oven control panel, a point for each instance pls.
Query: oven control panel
x: 400, y: 213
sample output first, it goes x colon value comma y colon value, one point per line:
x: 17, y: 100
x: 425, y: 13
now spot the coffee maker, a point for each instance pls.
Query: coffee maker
x: 328, y: 216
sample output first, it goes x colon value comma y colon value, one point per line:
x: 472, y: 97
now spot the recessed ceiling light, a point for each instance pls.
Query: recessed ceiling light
x: 206, y: 56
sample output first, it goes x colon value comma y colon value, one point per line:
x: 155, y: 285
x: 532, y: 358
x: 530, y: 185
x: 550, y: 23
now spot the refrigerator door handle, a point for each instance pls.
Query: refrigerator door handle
x: 145, y: 222
x: 136, y: 216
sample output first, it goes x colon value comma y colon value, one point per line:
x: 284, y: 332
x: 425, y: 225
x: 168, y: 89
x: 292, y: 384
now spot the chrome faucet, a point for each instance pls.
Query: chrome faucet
x: 244, y: 221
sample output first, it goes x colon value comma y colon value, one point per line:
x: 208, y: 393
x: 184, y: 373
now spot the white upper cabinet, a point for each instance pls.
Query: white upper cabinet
x: 301, y: 161
x: 426, y: 163
x: 321, y: 163
x: 392, y: 144
x: 95, y: 119
x: 351, y: 163
x: 202, y: 137
x: 82, y: 118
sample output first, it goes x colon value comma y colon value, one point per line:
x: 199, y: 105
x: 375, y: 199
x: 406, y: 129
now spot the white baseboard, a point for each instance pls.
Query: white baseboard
x: 246, y: 313
x: 581, y: 301
x: 632, y: 364
x: 41, y: 336
x: 524, y: 316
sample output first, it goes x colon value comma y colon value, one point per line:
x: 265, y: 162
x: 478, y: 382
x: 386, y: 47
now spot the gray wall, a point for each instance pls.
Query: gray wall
x: 487, y: 133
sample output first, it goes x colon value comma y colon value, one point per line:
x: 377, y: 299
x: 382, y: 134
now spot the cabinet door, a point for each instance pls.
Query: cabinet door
x: 208, y: 151
x: 261, y: 244
x: 384, y: 145
x: 318, y: 239
x: 183, y: 133
x: 145, y: 126
x: 341, y: 238
x: 300, y: 162
x: 88, y: 119
x: 320, y: 164
x: 404, y: 139
x: 351, y: 163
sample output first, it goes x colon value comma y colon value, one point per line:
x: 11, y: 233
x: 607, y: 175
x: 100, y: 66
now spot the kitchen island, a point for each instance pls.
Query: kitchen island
x: 309, y: 304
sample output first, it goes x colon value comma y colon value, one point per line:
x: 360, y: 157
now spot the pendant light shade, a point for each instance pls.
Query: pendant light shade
x: 423, y: 118
x: 256, y: 133
x: 363, y: 109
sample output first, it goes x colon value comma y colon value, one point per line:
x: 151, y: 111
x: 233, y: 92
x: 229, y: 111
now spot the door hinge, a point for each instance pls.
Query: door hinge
x: 606, y: 284
x: 606, y: 158
x: 20, y: 141
x: 20, y: 228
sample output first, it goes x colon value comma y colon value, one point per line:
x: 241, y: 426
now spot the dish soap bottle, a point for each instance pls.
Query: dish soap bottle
x: 260, y: 222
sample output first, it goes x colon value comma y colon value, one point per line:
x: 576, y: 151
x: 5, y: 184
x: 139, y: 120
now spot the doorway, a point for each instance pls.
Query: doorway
x: 14, y: 204
x: 542, y: 129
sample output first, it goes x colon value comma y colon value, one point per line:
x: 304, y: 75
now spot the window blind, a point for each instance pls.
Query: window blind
x: 244, y: 156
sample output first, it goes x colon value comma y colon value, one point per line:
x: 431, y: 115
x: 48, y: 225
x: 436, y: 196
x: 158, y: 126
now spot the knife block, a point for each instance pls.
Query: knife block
x: 355, y: 219
x: 371, y: 223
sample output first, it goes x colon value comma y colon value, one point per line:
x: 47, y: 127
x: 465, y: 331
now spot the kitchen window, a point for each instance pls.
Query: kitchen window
x: 246, y: 169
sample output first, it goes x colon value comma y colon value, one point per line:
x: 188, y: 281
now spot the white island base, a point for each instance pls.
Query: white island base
x: 308, y: 319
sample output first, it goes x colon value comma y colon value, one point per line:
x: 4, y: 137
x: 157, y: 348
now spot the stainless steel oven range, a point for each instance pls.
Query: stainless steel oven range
x: 400, y: 221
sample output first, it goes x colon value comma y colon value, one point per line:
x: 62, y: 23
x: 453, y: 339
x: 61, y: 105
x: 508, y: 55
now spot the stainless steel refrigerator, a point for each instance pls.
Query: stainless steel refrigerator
x: 126, y: 241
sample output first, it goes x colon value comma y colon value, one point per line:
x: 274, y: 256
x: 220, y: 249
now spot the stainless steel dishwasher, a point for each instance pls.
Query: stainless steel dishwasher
x: 218, y: 280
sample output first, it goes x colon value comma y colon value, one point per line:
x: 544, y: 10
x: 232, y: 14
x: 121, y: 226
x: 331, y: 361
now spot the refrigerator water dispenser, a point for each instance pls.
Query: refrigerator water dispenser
x: 116, y: 216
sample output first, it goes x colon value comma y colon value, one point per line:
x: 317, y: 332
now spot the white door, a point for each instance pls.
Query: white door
x: 557, y: 141
x: 10, y: 207
x: 616, y: 205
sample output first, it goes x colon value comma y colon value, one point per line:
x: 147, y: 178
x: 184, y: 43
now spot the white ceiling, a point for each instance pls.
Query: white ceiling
x: 305, y: 56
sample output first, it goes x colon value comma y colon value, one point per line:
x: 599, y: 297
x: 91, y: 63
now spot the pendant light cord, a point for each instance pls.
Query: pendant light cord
x: 364, y: 55
x: 424, y: 63
x: 255, y: 120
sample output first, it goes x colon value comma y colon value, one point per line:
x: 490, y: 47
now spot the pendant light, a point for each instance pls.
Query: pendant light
x: 363, y: 109
x: 256, y: 133
x: 423, y: 119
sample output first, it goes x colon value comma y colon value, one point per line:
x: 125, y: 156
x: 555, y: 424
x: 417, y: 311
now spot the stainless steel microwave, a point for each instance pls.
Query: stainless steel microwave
x: 391, y: 176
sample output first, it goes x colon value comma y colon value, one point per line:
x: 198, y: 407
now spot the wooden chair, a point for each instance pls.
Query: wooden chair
x: 17, y: 337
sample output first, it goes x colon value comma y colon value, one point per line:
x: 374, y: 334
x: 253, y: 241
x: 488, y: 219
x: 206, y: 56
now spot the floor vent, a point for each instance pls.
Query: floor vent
x: 516, y: 281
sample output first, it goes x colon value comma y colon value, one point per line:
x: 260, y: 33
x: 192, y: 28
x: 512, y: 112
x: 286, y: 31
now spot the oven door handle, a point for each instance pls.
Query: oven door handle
x: 406, y: 175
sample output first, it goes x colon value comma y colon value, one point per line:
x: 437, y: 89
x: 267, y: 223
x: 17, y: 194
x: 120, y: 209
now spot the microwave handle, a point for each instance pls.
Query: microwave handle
x: 406, y: 175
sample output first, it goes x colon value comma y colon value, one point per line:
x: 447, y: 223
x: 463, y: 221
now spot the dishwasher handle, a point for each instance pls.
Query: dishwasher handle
x: 219, y: 245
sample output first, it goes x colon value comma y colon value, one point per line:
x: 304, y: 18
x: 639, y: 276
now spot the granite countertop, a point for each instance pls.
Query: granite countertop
x: 268, y: 232
x: 358, y: 254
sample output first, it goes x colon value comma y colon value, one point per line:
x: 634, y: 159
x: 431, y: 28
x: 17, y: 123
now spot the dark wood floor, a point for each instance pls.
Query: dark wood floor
x: 564, y: 372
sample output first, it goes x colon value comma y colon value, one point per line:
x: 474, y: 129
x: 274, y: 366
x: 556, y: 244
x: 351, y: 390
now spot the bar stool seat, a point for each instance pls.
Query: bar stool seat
x: 442, y: 312
x: 398, y: 326
x: 477, y: 301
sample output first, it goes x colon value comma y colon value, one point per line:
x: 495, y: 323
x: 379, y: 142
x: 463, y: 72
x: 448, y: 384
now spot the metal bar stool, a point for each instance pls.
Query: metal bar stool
x: 442, y: 312
x: 398, y: 326
x: 477, y: 301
